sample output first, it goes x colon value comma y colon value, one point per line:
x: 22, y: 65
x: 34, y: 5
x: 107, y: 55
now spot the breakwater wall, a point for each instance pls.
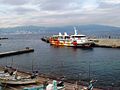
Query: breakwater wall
x: 109, y: 43
x: 10, y: 53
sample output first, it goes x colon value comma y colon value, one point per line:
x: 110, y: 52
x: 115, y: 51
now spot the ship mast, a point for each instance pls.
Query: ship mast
x: 75, y: 31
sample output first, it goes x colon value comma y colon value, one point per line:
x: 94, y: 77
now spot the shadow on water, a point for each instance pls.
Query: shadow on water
x: 89, y: 49
x: 74, y: 48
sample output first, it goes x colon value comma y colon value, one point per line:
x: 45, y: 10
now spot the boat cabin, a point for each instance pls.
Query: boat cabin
x: 78, y: 36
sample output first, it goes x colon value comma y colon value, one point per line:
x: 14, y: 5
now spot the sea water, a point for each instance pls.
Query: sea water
x: 101, y: 64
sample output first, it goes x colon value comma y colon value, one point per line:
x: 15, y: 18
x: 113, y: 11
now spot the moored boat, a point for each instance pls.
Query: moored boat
x: 75, y: 40
x: 15, y: 79
x: 17, y: 82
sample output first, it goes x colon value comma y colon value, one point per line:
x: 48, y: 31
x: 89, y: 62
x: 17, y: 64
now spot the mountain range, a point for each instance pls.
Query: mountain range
x: 86, y: 29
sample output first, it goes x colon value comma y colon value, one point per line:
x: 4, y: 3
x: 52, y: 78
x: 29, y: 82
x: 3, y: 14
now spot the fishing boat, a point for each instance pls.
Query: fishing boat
x: 16, y: 80
x: 75, y: 40
x: 3, y: 74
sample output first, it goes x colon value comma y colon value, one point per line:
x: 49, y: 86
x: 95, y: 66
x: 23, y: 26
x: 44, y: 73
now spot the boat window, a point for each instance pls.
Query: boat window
x: 55, y: 38
x: 78, y: 36
x: 60, y: 37
x: 67, y: 37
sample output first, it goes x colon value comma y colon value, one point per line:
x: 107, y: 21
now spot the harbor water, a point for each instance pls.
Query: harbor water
x: 101, y: 64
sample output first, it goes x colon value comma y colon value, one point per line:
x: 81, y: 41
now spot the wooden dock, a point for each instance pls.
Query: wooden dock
x: 17, y: 52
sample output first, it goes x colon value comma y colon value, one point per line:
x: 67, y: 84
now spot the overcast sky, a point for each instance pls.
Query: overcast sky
x: 59, y: 12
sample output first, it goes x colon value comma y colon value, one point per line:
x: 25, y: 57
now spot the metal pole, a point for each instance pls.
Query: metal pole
x: 89, y: 70
x: 32, y: 66
x: 12, y: 63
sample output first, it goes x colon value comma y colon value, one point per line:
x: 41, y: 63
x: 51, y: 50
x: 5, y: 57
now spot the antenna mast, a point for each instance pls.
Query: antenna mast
x: 75, y: 30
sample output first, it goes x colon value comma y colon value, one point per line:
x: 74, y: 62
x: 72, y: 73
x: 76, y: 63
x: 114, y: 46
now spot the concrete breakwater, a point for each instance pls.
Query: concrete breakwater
x: 10, y: 53
x: 110, y: 43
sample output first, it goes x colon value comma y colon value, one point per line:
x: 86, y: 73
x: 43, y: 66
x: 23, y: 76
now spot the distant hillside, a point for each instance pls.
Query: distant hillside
x: 85, y: 29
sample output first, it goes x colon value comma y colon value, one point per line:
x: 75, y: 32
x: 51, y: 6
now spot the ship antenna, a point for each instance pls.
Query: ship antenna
x: 75, y: 30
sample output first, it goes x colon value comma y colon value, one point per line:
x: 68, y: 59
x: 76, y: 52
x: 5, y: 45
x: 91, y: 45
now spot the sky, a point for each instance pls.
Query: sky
x: 59, y: 12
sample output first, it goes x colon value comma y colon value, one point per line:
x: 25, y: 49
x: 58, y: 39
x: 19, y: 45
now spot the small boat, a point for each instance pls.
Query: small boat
x: 17, y: 82
x: 14, y: 79
x: 4, y: 73
x: 75, y: 40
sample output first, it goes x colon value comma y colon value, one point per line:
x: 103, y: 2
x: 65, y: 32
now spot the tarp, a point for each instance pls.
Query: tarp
x: 34, y: 88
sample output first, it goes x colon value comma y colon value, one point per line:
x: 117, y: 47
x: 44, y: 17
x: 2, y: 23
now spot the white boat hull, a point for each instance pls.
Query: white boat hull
x: 18, y: 82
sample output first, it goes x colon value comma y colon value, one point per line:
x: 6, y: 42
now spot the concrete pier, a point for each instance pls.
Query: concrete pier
x: 10, y: 53
x: 108, y: 43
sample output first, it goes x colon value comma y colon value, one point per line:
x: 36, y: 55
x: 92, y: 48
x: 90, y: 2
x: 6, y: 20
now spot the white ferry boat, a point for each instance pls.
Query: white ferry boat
x: 75, y: 40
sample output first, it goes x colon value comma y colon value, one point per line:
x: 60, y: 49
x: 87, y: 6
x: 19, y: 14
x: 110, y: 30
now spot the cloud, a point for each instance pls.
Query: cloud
x: 14, y: 2
x: 110, y: 1
x: 58, y: 5
x: 59, y: 12
x: 109, y: 4
x: 23, y: 10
